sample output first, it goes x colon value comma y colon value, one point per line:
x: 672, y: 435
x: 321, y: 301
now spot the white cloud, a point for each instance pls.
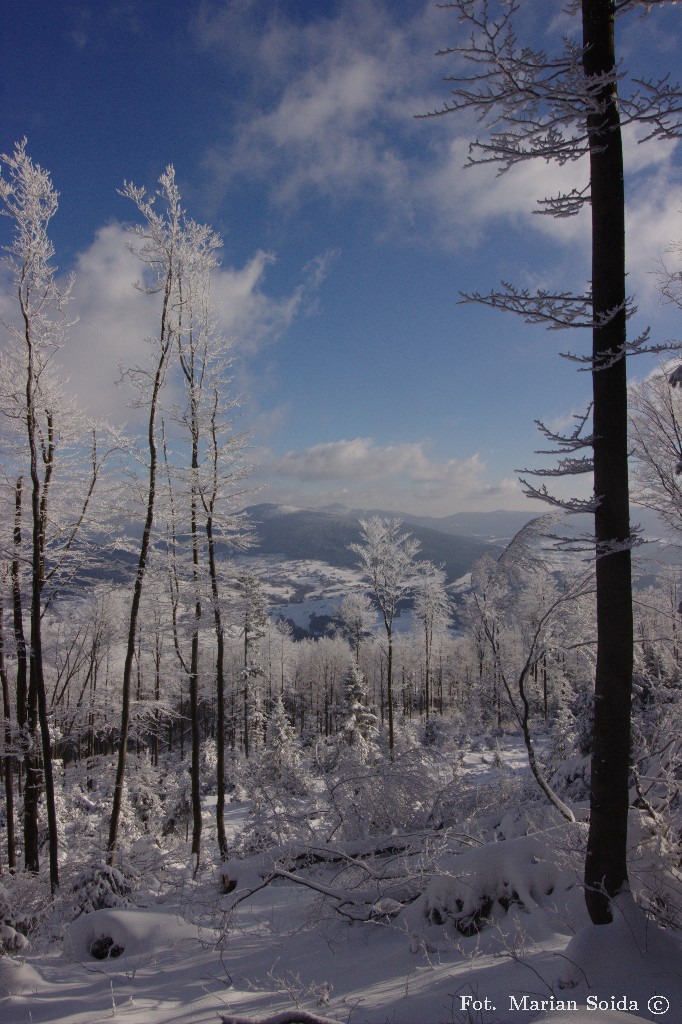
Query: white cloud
x: 339, y: 88
x: 396, y: 477
x: 115, y: 318
x: 327, y: 109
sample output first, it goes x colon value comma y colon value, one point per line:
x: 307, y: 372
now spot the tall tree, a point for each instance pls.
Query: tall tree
x: 159, y: 249
x: 252, y: 611
x: 219, y: 490
x: 656, y: 435
x: 211, y: 477
x: 387, y: 558
x: 432, y: 610
x: 563, y: 107
x: 357, y: 616
x: 41, y: 423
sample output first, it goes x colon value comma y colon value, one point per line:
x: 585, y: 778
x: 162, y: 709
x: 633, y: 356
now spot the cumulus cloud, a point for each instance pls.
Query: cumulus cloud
x: 361, y: 473
x: 328, y: 110
x: 338, y: 89
x: 115, y: 318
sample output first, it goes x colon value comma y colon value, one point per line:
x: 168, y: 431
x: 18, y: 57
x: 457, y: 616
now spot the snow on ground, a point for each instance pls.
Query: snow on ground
x: 186, y: 959
x: 299, y: 589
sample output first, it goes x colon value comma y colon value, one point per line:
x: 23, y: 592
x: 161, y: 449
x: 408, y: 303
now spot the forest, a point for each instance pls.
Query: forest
x: 461, y: 802
x: 162, y: 730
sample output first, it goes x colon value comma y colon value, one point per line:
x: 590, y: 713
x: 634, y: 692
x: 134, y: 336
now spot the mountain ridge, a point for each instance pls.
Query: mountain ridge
x: 325, y: 534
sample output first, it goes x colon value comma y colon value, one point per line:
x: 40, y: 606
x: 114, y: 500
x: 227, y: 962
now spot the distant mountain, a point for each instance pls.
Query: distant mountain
x: 326, y: 535
x: 498, y: 526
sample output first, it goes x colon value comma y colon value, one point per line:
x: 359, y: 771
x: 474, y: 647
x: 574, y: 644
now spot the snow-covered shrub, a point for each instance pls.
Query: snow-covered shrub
x: 208, y: 766
x: 178, y: 809
x: 15, y: 926
x: 582, y: 708
x: 378, y: 797
x: 143, y: 794
x: 478, y: 887
x: 438, y: 732
x: 571, y: 780
x: 101, y: 887
x: 562, y: 736
x: 276, y: 784
x: 276, y: 818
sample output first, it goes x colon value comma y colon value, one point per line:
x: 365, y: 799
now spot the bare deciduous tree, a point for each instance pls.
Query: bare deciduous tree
x: 43, y: 443
x: 159, y: 249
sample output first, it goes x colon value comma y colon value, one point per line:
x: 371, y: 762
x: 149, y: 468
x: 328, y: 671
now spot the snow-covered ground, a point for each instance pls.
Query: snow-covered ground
x: 284, y: 939
x: 300, y: 589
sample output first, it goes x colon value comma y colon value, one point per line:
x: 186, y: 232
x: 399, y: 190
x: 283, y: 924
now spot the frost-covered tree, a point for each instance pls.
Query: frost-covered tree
x: 520, y: 609
x: 432, y: 610
x: 219, y: 489
x: 204, y: 480
x: 561, y: 107
x: 252, y: 613
x: 281, y: 758
x: 387, y: 559
x: 656, y: 432
x: 52, y: 464
x: 356, y: 722
x: 357, y: 615
x: 158, y: 246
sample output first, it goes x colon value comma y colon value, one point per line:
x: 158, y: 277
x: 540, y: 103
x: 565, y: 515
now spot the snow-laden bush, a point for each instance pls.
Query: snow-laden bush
x: 143, y: 794
x: 276, y: 784
x: 177, y: 803
x: 15, y: 926
x: 571, y: 780
x: 101, y: 887
x: 477, y: 888
x: 274, y: 820
x: 377, y: 797
x: 438, y: 732
x: 582, y: 709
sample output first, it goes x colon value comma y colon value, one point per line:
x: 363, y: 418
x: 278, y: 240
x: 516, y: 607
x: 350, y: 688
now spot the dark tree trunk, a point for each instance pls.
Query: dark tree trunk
x: 389, y: 689
x: 194, y: 689
x: 25, y: 719
x: 605, y: 867
x: 9, y: 753
x: 220, y: 693
x: 37, y: 694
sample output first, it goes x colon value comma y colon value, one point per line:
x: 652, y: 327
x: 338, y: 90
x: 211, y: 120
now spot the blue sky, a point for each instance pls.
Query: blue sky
x: 349, y: 228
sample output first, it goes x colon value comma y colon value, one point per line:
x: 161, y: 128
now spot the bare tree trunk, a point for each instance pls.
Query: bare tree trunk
x: 139, y: 580
x: 8, y: 759
x: 605, y: 866
x: 389, y: 687
x: 194, y: 686
x: 36, y: 675
x: 31, y: 797
x: 220, y: 693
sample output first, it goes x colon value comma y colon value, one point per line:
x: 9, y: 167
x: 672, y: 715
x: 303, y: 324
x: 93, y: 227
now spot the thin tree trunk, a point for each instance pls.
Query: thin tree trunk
x: 25, y: 720
x: 220, y: 693
x: 194, y: 688
x: 9, y: 753
x: 605, y: 866
x: 38, y: 531
x: 139, y: 580
x: 389, y: 687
